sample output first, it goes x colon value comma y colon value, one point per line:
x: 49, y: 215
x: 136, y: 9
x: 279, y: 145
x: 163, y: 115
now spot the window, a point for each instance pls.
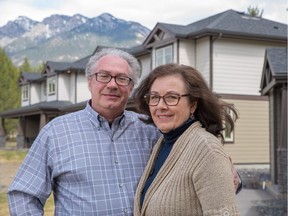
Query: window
x: 25, y: 92
x: 51, y: 85
x: 227, y: 133
x: 163, y: 56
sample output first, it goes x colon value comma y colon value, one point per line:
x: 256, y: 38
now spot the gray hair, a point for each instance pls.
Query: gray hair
x: 131, y: 60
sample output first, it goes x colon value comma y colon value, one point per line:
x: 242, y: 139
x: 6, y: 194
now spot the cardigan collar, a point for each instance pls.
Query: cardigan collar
x: 173, y: 157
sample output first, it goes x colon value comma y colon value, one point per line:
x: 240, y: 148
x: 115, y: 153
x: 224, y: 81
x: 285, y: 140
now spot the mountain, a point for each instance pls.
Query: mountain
x: 67, y: 38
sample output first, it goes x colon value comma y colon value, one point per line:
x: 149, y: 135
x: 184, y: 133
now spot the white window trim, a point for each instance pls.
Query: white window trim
x: 163, y: 51
x: 25, y: 93
x: 51, y: 85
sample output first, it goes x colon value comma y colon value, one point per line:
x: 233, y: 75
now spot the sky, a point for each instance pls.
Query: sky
x: 147, y: 12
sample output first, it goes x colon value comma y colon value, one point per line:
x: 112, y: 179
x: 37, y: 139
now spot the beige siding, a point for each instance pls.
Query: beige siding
x: 63, y: 87
x: 251, y: 132
x: 237, y: 66
x: 174, y: 52
x: 145, y: 66
x: 203, y: 58
x: 43, y: 91
x: 187, y: 52
x: 35, y: 91
x: 145, y: 62
x: 153, y: 57
x: 72, y: 91
x: 82, y: 90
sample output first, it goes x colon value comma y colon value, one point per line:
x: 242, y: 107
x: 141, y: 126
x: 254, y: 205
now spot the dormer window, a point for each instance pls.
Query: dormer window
x: 51, y: 85
x: 163, y: 55
x: 25, y: 93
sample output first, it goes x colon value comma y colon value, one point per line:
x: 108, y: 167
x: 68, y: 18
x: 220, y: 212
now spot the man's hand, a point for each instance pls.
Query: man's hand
x: 236, y: 178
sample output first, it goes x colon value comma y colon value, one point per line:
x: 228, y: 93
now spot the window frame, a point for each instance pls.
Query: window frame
x: 25, y: 92
x: 161, y: 54
x: 229, y: 138
x: 52, y: 85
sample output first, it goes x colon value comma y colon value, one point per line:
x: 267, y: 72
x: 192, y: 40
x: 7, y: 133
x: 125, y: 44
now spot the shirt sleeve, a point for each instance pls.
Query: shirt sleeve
x: 32, y: 185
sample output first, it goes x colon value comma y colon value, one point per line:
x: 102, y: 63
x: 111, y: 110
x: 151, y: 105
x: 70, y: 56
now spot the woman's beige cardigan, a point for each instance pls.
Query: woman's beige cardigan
x: 196, y: 179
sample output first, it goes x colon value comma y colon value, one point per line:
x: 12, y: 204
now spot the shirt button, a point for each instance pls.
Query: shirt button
x: 125, y: 210
x: 116, y: 161
x: 120, y: 185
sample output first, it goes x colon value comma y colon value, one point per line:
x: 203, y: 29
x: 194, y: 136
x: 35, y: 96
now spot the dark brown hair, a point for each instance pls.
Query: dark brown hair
x: 210, y: 111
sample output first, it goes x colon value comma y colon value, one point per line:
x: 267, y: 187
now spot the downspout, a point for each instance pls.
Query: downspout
x: 212, y: 40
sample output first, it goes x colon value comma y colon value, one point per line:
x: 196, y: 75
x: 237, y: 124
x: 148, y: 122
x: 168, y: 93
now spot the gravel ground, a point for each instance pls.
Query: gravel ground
x: 276, y: 207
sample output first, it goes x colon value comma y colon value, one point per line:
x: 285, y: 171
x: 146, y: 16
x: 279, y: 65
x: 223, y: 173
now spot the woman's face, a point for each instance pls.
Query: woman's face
x: 165, y: 117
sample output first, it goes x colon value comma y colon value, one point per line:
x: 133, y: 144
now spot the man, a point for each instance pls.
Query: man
x: 91, y: 159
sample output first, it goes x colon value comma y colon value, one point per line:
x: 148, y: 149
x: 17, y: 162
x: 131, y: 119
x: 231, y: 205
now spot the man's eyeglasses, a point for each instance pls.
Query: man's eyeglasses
x: 169, y: 99
x: 106, y: 78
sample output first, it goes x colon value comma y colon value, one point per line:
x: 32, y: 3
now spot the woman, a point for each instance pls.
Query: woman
x: 188, y: 172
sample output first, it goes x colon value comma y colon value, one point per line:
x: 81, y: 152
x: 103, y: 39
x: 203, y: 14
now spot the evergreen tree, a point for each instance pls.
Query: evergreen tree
x: 25, y: 66
x: 254, y: 11
x: 9, y: 90
x: 39, y: 68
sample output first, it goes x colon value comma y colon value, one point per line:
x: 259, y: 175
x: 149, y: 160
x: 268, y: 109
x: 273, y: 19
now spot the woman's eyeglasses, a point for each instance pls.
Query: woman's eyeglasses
x: 169, y: 99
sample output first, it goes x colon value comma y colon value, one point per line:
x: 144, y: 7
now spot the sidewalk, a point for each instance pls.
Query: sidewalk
x: 248, y: 199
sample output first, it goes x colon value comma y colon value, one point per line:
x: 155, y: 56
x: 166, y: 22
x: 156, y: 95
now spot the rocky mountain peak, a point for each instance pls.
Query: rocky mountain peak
x: 62, y: 37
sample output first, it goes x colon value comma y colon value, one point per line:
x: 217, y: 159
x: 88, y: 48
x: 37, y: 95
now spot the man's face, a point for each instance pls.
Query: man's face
x: 110, y: 99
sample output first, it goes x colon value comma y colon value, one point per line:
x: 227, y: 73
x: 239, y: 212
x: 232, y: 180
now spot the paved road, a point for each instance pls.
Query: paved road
x: 246, y: 200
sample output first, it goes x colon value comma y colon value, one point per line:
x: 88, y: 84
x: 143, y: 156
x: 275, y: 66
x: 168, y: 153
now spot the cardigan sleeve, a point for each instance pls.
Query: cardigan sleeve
x: 214, y: 184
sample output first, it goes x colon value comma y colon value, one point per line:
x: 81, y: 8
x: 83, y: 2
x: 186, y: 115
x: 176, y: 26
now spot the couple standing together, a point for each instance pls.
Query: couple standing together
x: 105, y: 160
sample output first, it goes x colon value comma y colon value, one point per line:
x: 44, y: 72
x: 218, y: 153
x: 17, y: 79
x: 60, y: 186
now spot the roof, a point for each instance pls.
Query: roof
x: 138, y: 50
x: 58, y: 66
x: 36, y: 108
x: 277, y: 58
x: 80, y: 64
x: 274, y: 69
x: 229, y: 22
x: 30, y: 77
x: 74, y: 107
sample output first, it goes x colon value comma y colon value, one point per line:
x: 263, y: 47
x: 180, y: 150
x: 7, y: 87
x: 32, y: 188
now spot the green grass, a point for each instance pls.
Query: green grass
x: 4, y: 210
x: 2, y: 197
x: 12, y: 156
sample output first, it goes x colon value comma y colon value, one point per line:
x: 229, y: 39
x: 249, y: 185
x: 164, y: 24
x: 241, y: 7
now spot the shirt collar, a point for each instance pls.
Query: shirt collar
x: 99, y: 120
